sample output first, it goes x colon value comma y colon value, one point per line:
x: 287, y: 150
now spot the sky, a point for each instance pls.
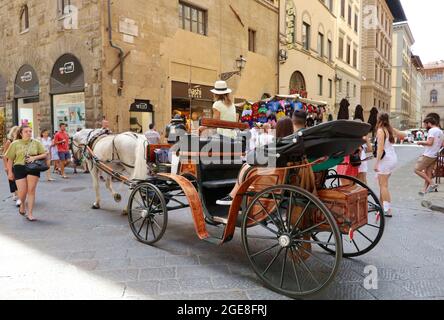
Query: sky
x: 426, y: 20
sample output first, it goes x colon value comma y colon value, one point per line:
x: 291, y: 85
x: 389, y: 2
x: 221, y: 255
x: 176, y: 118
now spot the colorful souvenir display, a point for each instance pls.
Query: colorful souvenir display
x: 273, y: 109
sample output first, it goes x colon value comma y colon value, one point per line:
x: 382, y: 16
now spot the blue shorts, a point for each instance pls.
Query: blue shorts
x: 64, y: 156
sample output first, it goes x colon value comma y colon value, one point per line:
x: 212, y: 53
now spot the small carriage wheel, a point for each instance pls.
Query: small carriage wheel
x: 147, y: 213
x: 276, y: 236
x: 365, y: 238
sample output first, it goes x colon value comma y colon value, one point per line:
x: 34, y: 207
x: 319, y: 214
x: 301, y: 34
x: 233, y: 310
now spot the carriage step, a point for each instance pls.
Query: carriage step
x: 220, y: 220
x: 216, y: 184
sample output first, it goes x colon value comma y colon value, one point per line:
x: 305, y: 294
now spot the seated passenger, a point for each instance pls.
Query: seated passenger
x: 284, y: 128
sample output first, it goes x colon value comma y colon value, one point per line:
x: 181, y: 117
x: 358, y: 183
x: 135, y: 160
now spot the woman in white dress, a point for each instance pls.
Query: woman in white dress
x: 224, y: 108
x: 386, y: 159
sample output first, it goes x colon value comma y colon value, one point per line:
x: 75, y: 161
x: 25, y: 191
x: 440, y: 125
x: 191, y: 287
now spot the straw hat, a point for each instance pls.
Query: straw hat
x: 221, y: 87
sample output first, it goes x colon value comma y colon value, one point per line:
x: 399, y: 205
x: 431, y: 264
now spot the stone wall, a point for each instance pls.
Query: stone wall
x: 46, y: 40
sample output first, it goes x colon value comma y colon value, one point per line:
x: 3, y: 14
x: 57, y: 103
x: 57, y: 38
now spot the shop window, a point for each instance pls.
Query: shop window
x: 192, y: 18
x: 251, y: 40
x: 24, y: 19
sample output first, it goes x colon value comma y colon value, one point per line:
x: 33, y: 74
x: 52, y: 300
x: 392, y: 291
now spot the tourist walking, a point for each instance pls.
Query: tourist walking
x: 426, y: 163
x: 386, y: 158
x: 12, y: 136
x: 22, y: 151
x: 61, y: 141
x: 48, y: 144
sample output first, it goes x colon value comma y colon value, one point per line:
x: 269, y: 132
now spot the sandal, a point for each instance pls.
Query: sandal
x: 22, y: 213
x: 31, y: 219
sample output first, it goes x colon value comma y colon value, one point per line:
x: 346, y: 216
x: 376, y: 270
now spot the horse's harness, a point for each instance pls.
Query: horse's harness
x: 92, y: 141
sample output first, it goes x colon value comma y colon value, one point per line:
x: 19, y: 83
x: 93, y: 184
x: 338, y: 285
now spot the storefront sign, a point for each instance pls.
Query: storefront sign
x: 141, y: 106
x: 187, y: 91
x: 290, y: 24
x: 67, y: 75
x: 26, y: 83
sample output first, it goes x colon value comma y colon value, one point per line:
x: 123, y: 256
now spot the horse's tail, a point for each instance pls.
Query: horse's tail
x: 140, y: 165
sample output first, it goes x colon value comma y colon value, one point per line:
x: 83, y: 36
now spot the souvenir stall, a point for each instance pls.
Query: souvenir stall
x: 273, y: 109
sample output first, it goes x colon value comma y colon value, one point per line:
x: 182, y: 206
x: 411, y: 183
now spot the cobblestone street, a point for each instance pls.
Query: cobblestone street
x: 74, y: 252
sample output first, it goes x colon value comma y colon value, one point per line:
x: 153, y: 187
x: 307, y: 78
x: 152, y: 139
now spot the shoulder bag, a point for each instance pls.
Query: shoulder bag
x: 36, y: 166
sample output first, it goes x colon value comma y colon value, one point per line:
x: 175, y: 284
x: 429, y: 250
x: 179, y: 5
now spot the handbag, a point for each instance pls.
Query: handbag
x: 36, y: 166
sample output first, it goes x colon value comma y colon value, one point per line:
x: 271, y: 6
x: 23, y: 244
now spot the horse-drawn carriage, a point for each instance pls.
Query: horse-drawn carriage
x: 295, y: 224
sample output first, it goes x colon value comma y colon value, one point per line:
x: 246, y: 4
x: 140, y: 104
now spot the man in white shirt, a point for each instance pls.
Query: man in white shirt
x: 152, y: 135
x: 426, y: 163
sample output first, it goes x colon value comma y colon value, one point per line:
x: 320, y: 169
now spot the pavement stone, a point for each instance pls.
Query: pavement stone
x: 79, y: 253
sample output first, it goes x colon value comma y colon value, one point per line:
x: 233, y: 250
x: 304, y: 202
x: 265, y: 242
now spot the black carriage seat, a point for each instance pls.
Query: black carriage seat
x: 219, y: 158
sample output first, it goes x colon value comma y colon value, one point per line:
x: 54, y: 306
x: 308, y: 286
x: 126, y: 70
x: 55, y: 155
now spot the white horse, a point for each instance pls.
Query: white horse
x: 122, y: 152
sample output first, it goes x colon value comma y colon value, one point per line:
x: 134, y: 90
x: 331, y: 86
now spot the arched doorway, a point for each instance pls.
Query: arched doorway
x: 67, y: 89
x: 297, y: 83
x: 27, y: 97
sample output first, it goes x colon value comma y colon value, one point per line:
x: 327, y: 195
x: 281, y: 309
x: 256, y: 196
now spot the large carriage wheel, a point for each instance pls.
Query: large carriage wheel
x: 147, y: 213
x: 365, y: 238
x: 276, y: 235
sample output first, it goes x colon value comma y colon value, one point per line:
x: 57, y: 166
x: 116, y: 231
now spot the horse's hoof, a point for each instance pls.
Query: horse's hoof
x: 124, y: 213
x: 95, y: 207
x: 117, y: 197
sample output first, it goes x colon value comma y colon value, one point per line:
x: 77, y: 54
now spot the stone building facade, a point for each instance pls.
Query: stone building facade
x: 376, y: 46
x: 60, y: 64
x: 348, y: 62
x: 416, y: 95
x: 308, y: 46
x: 433, y: 89
x: 402, y: 112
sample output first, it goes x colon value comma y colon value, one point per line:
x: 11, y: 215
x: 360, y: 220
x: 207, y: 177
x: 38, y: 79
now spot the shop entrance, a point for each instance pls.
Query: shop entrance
x: 67, y: 88
x: 26, y: 97
x: 192, y: 102
x: 141, y: 115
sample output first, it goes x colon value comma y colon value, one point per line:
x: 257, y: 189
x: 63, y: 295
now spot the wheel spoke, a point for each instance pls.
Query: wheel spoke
x: 272, y: 262
x: 289, y: 211
x: 306, y: 268
x: 325, y: 263
x: 281, y: 220
x: 372, y: 225
x: 156, y: 223
x: 283, y: 268
x: 265, y: 227
x: 147, y: 229
x: 143, y: 223
x: 263, y: 251
x: 262, y: 238
x: 314, y: 227
x: 135, y: 221
x: 317, y: 242
x: 300, y: 217
x: 152, y: 229
x: 294, y: 270
x: 362, y: 234
x: 268, y: 214
x: 356, y: 246
x: 140, y: 205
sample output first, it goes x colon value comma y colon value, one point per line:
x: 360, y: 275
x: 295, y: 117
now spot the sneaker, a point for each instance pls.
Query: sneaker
x: 227, y: 201
x: 18, y: 203
x: 432, y: 188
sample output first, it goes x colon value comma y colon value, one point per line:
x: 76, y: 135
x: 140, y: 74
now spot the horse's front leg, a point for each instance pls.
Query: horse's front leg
x: 95, y: 177
x: 109, y: 185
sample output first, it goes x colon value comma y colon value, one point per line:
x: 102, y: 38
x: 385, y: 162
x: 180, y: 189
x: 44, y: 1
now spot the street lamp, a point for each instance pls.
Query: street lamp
x: 240, y: 64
